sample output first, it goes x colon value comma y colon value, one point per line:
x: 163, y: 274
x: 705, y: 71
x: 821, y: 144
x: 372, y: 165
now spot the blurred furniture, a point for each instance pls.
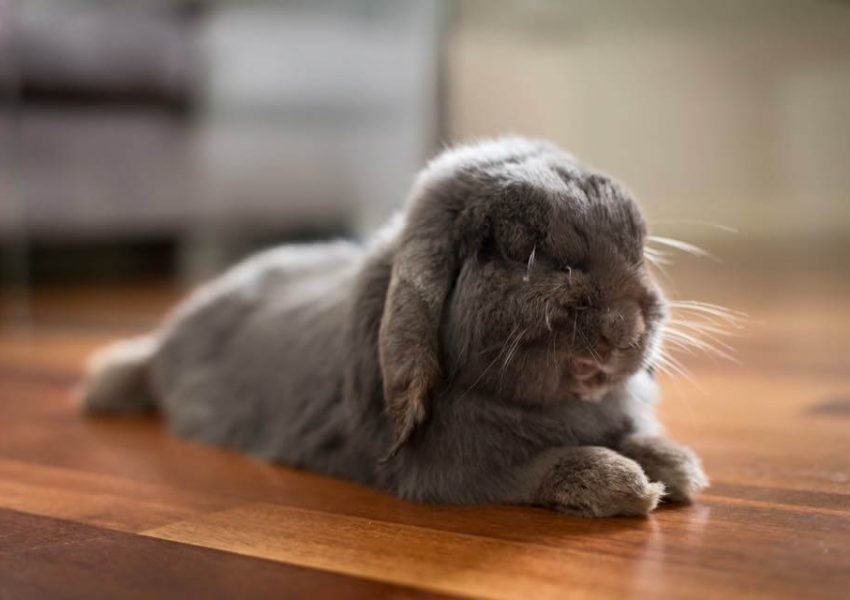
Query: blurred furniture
x: 316, y: 114
x: 100, y: 135
x: 213, y: 124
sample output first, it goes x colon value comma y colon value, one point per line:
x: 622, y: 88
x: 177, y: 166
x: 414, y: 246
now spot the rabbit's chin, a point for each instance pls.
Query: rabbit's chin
x: 592, y: 393
x: 595, y: 388
x: 590, y: 380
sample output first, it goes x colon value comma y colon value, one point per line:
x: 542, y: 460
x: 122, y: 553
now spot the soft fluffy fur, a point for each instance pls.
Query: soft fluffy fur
x: 491, y: 344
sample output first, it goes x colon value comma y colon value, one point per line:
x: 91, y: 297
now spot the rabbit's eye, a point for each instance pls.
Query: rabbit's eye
x: 576, y: 266
x: 518, y: 257
x: 511, y: 258
x: 573, y: 268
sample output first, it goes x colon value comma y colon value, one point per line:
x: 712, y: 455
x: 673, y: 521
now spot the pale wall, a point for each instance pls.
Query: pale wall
x: 730, y: 112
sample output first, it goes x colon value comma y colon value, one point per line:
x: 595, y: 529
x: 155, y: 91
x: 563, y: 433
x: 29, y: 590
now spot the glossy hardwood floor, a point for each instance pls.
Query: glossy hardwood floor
x: 117, y: 508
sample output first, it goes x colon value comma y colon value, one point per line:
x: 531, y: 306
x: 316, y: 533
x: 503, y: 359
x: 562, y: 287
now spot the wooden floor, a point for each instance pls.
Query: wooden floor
x: 114, y: 508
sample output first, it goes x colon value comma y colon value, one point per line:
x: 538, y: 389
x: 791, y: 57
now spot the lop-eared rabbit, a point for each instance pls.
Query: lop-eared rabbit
x: 494, y: 343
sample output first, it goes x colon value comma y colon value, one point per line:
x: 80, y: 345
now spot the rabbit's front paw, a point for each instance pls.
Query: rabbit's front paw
x: 598, y: 482
x: 676, y: 466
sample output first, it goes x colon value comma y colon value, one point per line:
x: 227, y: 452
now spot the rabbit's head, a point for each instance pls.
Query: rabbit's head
x: 519, y: 274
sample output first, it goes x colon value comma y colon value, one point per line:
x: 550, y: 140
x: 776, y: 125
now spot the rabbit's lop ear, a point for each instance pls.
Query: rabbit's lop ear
x: 409, y: 348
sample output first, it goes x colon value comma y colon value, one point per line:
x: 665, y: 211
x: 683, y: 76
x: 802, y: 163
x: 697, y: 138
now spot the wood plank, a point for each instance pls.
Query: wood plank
x: 552, y: 565
x: 98, y: 499
x: 449, y: 562
x: 50, y: 558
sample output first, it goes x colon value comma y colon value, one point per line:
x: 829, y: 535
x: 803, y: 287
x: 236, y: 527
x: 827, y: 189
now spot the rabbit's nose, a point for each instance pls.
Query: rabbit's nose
x: 622, y: 324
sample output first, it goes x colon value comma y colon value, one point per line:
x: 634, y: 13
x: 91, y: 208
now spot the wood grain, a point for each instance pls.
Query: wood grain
x: 49, y: 558
x: 117, y: 507
x: 495, y: 566
x: 96, y: 499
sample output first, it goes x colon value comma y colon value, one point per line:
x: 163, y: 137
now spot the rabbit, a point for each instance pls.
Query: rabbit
x: 494, y: 343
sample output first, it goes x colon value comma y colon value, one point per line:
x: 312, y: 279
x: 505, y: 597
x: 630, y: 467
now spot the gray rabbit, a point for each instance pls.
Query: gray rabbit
x: 494, y: 343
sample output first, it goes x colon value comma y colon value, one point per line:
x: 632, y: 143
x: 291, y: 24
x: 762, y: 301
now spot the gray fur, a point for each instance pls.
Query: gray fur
x: 677, y: 467
x: 442, y: 361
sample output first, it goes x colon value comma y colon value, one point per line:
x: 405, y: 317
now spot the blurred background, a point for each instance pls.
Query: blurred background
x: 161, y: 140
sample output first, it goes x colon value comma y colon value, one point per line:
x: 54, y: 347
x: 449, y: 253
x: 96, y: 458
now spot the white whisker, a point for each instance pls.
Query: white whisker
x: 699, y: 222
x: 658, y: 261
x: 730, y: 317
x: 707, y: 333
x: 701, y: 327
x: 504, y: 347
x: 530, y: 265
x: 514, y: 347
x: 680, y: 345
x: 703, y: 343
x: 682, y: 246
x: 656, y: 257
x: 709, y: 348
x: 669, y: 366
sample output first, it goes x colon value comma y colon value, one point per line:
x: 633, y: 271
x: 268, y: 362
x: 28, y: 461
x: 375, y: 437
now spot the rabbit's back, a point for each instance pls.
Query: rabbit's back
x: 253, y: 359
